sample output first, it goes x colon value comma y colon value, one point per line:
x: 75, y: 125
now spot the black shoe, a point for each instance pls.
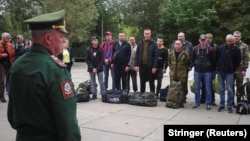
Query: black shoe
x: 3, y: 99
x: 234, y: 106
x: 214, y: 104
x: 93, y: 97
x: 208, y: 107
x: 196, y: 106
x: 230, y: 110
x: 220, y: 109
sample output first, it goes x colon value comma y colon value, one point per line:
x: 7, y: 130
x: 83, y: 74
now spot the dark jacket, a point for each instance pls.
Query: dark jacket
x: 94, y: 58
x: 203, y: 60
x: 152, y: 54
x: 124, y: 55
x: 178, y: 65
x: 71, y: 55
x: 228, y: 59
x: 162, y: 58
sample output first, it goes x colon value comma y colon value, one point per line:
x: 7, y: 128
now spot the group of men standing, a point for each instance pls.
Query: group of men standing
x: 229, y: 61
x: 124, y: 58
x: 150, y: 58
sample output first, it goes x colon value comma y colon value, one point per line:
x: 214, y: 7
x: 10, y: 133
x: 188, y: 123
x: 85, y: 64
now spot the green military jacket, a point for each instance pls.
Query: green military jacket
x: 42, y: 101
x: 244, y: 57
x: 179, y: 67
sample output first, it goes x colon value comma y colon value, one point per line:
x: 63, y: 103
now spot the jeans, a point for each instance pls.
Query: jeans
x: 228, y: 79
x: 106, y: 69
x: 203, y: 92
x: 93, y: 82
x: 207, y: 77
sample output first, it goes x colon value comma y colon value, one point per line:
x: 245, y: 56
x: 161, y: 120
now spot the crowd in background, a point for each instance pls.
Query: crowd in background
x: 150, y: 59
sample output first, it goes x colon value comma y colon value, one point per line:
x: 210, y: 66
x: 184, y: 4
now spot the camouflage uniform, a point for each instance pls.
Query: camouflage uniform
x: 179, y: 67
x: 243, y: 66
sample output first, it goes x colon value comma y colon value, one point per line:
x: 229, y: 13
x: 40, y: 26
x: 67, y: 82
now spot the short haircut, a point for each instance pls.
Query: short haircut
x: 229, y: 36
x: 237, y: 32
x: 5, y: 34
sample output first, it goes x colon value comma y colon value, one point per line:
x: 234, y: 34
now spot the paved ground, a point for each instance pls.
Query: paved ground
x: 123, y: 122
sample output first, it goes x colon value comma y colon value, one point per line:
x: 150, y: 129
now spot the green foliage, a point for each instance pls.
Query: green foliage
x: 192, y: 18
x: 234, y: 15
x: 81, y: 16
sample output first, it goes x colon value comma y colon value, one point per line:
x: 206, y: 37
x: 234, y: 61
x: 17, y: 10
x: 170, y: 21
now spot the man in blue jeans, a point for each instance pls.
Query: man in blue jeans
x: 228, y: 60
x: 108, y: 47
x: 204, y: 62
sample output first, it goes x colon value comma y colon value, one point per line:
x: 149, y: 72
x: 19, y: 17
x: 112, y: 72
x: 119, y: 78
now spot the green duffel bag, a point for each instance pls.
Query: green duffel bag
x: 175, y: 95
x: 142, y: 99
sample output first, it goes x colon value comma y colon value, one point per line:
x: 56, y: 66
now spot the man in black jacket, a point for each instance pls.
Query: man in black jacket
x: 95, y: 60
x: 147, y: 60
x: 121, y: 62
x: 228, y: 60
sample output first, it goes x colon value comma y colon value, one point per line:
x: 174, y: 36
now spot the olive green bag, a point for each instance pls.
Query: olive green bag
x: 175, y: 95
x: 142, y: 99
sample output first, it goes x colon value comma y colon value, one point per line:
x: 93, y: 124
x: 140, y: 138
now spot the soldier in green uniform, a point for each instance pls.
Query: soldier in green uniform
x: 241, y: 70
x: 179, y: 65
x: 42, y: 101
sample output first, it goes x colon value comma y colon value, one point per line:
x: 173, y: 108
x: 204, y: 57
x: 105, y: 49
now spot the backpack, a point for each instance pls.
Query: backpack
x: 243, y: 107
x: 164, y: 93
x: 247, y: 89
x: 86, y: 85
x: 175, y: 95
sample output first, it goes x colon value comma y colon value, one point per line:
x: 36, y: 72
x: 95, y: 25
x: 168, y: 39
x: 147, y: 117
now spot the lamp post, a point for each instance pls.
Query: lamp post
x: 102, y: 28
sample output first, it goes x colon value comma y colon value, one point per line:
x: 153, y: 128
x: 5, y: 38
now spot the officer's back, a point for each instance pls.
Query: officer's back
x: 42, y: 103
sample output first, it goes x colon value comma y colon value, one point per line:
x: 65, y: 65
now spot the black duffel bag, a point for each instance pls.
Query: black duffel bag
x: 82, y: 95
x: 118, y: 96
x: 142, y: 99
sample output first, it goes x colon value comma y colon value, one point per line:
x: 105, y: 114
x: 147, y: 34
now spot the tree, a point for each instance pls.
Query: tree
x: 81, y: 16
x: 234, y: 15
x: 188, y: 16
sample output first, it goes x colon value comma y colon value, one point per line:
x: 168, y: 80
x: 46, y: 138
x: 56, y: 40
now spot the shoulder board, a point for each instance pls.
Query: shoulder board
x: 58, y: 61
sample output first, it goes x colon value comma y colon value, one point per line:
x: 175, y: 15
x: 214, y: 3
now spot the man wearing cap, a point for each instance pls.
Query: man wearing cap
x: 108, y: 47
x: 42, y: 101
x: 94, y: 60
x: 209, y: 38
x: 204, y: 62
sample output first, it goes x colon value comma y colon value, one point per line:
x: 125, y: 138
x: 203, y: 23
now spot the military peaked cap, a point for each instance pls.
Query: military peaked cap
x: 54, y: 20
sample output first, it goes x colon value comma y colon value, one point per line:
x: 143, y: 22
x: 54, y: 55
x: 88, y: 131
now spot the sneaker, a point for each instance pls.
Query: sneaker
x: 93, y: 97
x: 230, y: 110
x: 3, y: 99
x: 220, y: 109
x: 208, y: 107
x: 196, y: 106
